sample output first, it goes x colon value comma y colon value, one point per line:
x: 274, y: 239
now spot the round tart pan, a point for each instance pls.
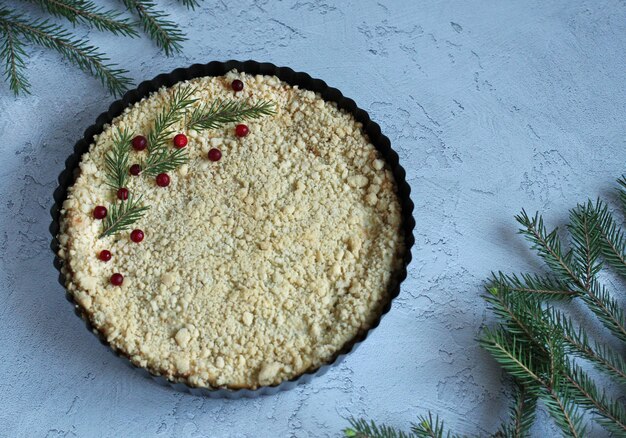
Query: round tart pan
x: 215, y: 68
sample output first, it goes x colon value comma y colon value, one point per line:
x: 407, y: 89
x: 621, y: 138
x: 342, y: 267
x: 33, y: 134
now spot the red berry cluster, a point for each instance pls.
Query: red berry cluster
x: 140, y: 143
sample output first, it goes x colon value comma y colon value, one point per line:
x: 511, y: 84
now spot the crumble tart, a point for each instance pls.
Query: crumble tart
x: 255, y: 267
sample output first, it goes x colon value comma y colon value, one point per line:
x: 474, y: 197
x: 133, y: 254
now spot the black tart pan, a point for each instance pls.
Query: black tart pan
x: 215, y: 68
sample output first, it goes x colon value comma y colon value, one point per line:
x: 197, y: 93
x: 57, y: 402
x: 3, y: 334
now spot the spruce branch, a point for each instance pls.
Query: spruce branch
x: 541, y: 286
x: 157, y: 25
x: 427, y: 427
x: 12, y: 51
x: 221, y: 112
x: 116, y: 161
x: 522, y: 414
x: 122, y: 215
x: 514, y: 357
x: 75, y: 50
x: 606, y: 309
x: 577, y: 343
x: 518, y: 313
x: 610, y: 413
x: 563, y: 409
x: 360, y: 428
x: 548, y: 246
x: 585, y: 243
x: 88, y: 13
x: 613, y: 242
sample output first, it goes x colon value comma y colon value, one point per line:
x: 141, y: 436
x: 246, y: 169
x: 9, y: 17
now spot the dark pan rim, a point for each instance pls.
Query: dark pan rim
x: 217, y: 68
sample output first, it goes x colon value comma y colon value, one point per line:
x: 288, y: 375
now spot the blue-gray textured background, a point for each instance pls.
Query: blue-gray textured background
x: 492, y: 106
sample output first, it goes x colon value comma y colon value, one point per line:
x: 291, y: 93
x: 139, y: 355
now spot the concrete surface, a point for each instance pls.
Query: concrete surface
x: 493, y: 106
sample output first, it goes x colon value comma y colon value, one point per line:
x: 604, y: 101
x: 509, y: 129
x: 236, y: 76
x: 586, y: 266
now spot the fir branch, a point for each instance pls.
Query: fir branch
x: 542, y: 286
x: 87, y: 12
x: 563, y: 409
x: 12, y: 51
x: 606, y: 309
x: 585, y: 242
x: 513, y: 356
x: 518, y: 313
x: 221, y: 112
x: 161, y: 132
x: 548, y: 246
x: 116, y: 161
x: 122, y: 215
x: 427, y: 427
x: 522, y: 414
x: 585, y: 393
x: 577, y: 343
x: 362, y: 429
x: 77, y: 51
x: 157, y: 25
x: 613, y: 242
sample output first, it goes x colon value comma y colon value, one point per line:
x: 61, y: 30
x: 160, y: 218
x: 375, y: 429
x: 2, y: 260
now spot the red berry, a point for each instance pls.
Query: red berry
x: 241, y: 130
x: 117, y: 279
x: 163, y: 180
x: 135, y: 169
x: 100, y: 212
x: 215, y: 154
x: 180, y: 141
x: 104, y: 255
x: 237, y: 85
x: 136, y: 236
x: 140, y: 143
x: 122, y: 194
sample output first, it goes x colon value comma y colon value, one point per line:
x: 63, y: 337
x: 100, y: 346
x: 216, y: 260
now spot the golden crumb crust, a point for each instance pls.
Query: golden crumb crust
x: 254, y: 269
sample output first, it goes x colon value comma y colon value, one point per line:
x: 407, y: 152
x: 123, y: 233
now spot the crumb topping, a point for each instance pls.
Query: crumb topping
x: 254, y: 269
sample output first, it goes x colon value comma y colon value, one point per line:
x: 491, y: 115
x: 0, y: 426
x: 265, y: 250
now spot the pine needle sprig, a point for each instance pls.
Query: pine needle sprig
x: 12, y: 51
x: 116, y: 161
x: 161, y: 131
x: 163, y: 160
x: 122, y: 215
x: 360, y: 428
x: 88, y: 13
x: 221, y: 112
x: 160, y: 158
x: 75, y: 50
x: 613, y: 241
x: 156, y: 23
